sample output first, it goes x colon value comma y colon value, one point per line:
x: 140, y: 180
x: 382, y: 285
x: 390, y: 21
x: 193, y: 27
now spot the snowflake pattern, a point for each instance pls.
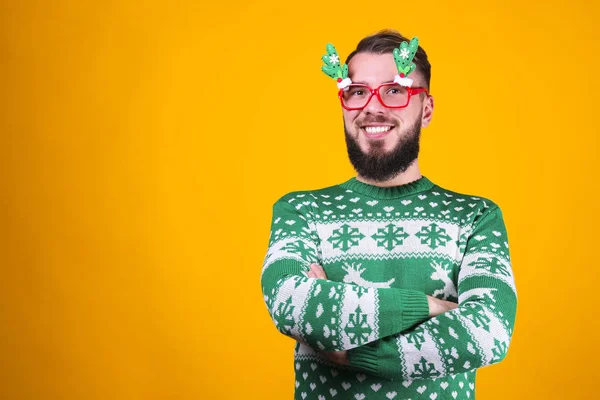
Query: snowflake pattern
x: 433, y: 235
x: 404, y: 53
x: 345, y: 237
x: 359, y: 290
x: 480, y: 320
x: 299, y: 247
x: 491, y: 264
x: 285, y: 310
x: 390, y: 236
x: 416, y: 337
x: 499, y: 350
x: 358, y: 328
x: 424, y: 369
x: 334, y: 59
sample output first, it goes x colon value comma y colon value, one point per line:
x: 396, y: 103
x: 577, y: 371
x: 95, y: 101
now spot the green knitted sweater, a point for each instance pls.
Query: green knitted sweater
x: 384, y: 250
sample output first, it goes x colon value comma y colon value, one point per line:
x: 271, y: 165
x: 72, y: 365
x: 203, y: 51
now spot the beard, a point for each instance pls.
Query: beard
x: 378, y: 165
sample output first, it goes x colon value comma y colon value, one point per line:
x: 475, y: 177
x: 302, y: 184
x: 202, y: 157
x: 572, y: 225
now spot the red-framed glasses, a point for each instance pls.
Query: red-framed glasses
x: 392, y: 95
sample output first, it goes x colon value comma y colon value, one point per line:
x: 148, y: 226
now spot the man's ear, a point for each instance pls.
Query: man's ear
x: 427, y: 111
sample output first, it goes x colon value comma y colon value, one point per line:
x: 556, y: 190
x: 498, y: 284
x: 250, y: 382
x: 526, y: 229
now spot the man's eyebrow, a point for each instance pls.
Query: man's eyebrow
x: 365, y: 83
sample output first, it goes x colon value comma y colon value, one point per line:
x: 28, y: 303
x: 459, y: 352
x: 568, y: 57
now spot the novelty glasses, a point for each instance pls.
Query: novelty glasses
x: 391, y: 95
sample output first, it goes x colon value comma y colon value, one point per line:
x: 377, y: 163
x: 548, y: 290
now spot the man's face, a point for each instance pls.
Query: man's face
x: 378, y: 132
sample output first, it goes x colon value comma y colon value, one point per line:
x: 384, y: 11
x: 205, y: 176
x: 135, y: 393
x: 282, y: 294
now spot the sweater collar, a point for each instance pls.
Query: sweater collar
x: 393, y: 192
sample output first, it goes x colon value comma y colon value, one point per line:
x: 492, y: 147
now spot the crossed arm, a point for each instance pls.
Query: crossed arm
x: 436, y: 307
x: 417, y: 337
x: 320, y: 312
x: 457, y: 339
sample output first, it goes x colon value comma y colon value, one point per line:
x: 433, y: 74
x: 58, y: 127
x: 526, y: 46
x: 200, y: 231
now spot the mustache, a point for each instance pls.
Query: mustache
x: 379, y: 119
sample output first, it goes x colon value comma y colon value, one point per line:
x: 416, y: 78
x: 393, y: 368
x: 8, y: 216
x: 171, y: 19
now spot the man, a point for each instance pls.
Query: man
x: 393, y: 287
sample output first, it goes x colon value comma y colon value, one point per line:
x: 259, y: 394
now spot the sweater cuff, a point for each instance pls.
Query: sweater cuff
x: 401, y: 309
x: 365, y: 358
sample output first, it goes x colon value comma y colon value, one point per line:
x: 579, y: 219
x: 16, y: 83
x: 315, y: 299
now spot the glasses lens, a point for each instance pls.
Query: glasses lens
x: 355, y: 96
x: 394, y: 95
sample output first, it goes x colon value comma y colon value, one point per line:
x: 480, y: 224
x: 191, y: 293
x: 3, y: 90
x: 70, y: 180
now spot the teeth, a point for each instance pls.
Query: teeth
x: 377, y: 129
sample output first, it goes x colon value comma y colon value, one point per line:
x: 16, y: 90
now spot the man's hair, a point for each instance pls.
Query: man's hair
x: 386, y: 41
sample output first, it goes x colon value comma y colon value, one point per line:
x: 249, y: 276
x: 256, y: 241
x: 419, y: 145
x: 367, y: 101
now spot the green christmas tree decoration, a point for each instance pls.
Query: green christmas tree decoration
x: 403, y: 56
x: 333, y: 68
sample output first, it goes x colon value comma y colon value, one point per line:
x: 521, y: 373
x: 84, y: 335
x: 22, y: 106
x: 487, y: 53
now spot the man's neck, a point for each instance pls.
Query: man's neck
x: 411, y: 174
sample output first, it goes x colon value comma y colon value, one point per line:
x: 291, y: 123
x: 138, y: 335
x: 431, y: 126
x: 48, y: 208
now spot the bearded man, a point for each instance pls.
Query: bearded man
x: 392, y: 286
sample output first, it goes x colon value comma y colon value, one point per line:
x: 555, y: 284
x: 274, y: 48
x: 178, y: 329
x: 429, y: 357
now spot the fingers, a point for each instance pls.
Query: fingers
x: 316, y: 271
x: 319, y: 271
x: 448, y: 305
x: 337, y: 357
x: 439, y: 306
x: 451, y: 305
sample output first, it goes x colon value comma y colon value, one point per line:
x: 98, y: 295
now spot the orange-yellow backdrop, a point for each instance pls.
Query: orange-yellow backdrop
x: 143, y: 143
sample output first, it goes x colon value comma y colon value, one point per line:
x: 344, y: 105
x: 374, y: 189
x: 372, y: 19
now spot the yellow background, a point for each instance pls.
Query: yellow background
x: 143, y: 143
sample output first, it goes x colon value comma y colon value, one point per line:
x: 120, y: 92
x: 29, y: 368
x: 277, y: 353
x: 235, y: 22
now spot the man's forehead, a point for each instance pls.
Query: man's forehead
x: 374, y: 69
x: 371, y: 67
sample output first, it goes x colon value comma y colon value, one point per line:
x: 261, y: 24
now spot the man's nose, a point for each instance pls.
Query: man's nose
x: 374, y: 106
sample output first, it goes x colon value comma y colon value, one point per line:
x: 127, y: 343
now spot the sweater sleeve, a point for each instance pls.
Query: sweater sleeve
x: 474, y: 335
x: 323, y: 314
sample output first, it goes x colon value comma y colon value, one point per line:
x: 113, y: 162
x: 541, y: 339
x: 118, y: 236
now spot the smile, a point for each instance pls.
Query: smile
x: 376, y: 131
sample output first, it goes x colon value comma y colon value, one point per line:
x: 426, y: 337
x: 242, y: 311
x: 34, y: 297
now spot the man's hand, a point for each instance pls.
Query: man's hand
x: 337, y: 357
x: 437, y: 306
x: 316, y: 271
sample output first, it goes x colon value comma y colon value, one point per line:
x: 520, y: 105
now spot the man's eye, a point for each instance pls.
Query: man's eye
x: 356, y: 92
